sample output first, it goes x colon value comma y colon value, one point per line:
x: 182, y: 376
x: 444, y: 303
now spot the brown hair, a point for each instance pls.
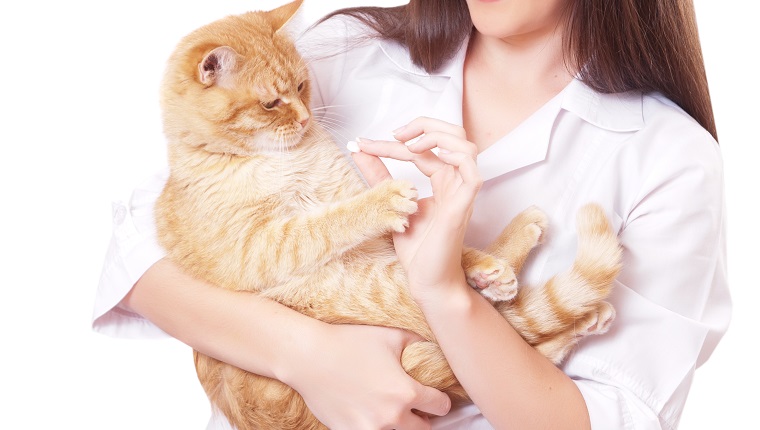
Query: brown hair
x: 623, y: 45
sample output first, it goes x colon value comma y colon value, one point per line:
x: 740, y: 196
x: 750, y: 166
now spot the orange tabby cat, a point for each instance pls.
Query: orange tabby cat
x: 260, y: 199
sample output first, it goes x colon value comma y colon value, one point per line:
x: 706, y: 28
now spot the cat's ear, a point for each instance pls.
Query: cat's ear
x: 280, y: 16
x: 217, y: 66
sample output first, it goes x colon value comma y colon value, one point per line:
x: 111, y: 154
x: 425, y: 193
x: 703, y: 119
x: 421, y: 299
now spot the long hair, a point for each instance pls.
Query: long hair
x: 622, y: 45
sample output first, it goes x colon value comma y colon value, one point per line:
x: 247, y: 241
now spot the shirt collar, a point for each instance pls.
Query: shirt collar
x: 529, y: 142
x: 619, y: 112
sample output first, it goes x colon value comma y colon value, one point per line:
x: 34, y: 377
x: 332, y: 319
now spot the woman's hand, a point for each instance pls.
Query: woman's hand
x: 355, y: 381
x: 431, y: 249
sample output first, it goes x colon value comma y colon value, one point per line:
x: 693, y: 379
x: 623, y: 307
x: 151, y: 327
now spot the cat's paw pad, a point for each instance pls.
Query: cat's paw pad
x: 597, y: 321
x: 493, y: 278
x: 399, y: 199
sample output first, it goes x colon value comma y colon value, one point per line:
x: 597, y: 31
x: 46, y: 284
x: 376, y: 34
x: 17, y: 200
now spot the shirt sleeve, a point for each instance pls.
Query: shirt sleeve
x: 671, y: 297
x: 132, y: 250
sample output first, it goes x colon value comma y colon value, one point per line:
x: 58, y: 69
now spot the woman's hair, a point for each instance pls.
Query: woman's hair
x: 622, y: 45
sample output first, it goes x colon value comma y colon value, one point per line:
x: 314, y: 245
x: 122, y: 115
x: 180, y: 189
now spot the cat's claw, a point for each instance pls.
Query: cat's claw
x: 399, y: 199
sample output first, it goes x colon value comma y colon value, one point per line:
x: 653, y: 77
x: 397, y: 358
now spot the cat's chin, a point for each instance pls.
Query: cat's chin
x: 275, y: 143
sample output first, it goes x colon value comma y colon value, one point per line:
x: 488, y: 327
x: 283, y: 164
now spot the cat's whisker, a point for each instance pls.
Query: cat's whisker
x: 331, y: 116
x: 330, y: 122
x: 334, y: 131
x: 326, y: 107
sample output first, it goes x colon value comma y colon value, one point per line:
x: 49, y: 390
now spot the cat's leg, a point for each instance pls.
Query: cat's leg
x: 493, y: 277
x: 253, y: 402
x: 571, y: 305
x: 518, y: 238
x: 425, y: 362
x: 305, y: 241
x: 494, y: 272
x: 381, y: 209
x: 597, y: 321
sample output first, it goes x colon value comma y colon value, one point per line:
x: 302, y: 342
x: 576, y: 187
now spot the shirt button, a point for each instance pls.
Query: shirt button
x: 119, y: 213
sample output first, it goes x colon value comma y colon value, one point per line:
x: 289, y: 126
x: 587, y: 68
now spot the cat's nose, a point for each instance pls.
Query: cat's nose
x: 304, y: 122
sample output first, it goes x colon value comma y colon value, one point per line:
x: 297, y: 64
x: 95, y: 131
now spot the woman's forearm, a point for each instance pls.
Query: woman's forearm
x: 239, y: 328
x: 512, y: 383
x: 331, y: 366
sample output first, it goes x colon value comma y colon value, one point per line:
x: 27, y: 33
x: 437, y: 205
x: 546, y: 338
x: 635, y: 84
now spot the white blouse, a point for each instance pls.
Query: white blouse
x: 657, y: 173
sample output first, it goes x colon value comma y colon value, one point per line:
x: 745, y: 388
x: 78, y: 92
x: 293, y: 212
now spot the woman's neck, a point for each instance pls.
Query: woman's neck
x: 533, y: 58
x: 508, y: 79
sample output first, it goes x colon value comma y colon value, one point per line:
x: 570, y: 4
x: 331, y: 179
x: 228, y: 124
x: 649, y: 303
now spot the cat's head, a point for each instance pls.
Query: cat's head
x: 238, y: 86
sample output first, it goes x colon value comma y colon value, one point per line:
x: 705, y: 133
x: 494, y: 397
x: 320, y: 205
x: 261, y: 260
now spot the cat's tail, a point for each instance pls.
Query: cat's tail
x: 571, y: 304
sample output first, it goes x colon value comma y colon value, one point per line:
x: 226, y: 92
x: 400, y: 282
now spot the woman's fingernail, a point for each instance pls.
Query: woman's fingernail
x: 411, y: 142
x: 398, y: 130
x: 353, y: 146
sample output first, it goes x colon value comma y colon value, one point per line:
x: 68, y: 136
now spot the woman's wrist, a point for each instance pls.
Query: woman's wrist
x: 454, y: 297
x: 297, y: 349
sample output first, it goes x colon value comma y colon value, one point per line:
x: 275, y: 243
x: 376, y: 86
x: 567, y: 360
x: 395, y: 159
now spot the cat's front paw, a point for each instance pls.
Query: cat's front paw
x: 398, y: 200
x: 493, y: 278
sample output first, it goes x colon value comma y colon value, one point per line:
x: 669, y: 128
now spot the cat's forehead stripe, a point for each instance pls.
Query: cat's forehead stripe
x: 277, y: 74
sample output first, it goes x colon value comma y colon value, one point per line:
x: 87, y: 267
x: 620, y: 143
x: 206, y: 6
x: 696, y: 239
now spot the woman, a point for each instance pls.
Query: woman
x: 561, y: 102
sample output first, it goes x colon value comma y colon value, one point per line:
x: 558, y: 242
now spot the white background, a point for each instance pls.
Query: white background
x: 79, y: 127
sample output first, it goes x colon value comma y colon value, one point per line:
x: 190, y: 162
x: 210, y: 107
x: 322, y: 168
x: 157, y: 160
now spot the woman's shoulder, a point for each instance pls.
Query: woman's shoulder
x: 675, y: 136
x: 644, y: 123
x: 672, y: 150
x: 649, y: 116
x: 645, y: 134
x: 663, y: 116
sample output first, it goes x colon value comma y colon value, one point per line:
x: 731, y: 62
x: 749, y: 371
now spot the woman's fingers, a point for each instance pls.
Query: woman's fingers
x: 468, y: 168
x: 434, y: 133
x: 457, y: 169
x: 446, y: 142
x: 427, y: 162
x: 371, y: 167
x: 424, y: 125
x: 431, y: 401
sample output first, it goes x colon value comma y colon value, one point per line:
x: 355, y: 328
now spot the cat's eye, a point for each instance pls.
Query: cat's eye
x: 271, y: 105
x: 300, y: 86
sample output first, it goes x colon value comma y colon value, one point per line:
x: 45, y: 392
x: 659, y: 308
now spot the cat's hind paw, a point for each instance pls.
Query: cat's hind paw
x: 532, y: 224
x: 493, y: 278
x: 597, y: 321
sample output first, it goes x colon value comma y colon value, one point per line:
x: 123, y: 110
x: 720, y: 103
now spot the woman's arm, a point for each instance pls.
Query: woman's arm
x: 331, y: 366
x: 231, y: 326
x: 512, y: 384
